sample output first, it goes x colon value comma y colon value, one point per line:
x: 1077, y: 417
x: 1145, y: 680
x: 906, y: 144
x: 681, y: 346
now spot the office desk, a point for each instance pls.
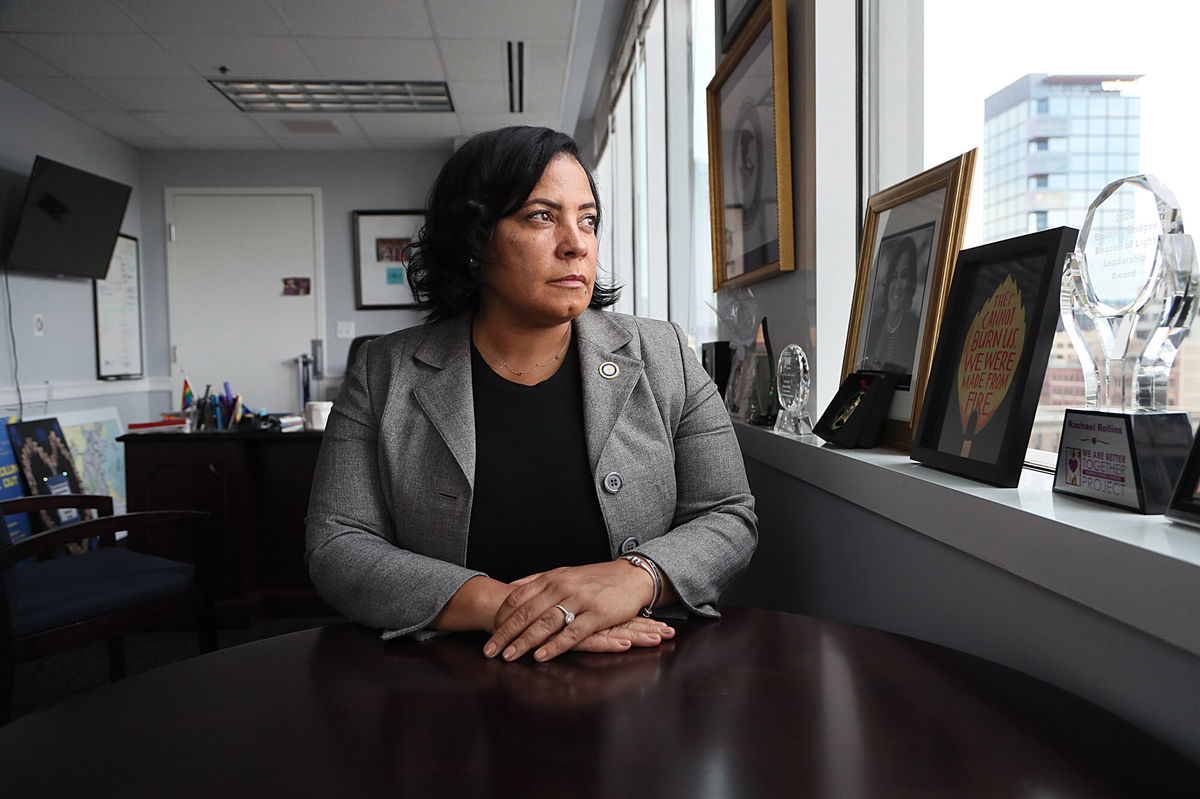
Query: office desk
x: 256, y: 487
x: 759, y: 704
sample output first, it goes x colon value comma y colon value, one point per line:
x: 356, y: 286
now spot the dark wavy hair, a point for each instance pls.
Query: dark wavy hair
x: 489, y: 177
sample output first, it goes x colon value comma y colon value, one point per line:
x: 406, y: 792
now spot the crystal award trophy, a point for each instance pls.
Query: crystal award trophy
x: 1128, y: 299
x: 791, y: 388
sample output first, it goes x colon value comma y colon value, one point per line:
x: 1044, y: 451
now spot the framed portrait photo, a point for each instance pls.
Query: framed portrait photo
x: 380, y: 268
x: 911, y: 235
x: 991, y: 356
x: 750, y: 165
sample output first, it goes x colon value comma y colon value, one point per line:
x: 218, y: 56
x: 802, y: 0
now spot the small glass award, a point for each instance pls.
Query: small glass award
x: 1128, y: 300
x: 791, y: 388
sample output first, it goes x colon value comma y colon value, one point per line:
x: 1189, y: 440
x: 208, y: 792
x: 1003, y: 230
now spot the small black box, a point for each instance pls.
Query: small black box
x: 856, y: 415
x: 716, y: 357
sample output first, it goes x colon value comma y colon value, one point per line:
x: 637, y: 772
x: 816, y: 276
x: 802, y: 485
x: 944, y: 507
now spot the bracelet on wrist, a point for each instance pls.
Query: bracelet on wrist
x: 651, y: 568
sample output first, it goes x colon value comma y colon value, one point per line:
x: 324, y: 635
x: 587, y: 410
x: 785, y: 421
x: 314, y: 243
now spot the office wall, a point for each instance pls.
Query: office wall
x: 63, y: 360
x: 349, y: 181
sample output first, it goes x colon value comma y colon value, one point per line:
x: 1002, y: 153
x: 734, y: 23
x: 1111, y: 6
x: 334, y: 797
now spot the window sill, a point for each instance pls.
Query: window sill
x: 1136, y: 569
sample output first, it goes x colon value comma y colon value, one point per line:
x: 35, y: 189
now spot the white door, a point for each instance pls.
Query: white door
x: 230, y: 254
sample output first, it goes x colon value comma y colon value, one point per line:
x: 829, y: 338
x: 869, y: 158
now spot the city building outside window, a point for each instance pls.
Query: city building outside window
x: 1062, y: 99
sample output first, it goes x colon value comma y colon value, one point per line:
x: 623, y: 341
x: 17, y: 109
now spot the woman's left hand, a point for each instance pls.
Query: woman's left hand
x: 601, y: 595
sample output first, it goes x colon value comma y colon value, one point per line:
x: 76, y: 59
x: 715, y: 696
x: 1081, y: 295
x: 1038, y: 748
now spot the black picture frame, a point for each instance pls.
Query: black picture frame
x: 733, y: 15
x: 1185, y: 499
x: 380, y: 270
x: 991, y: 356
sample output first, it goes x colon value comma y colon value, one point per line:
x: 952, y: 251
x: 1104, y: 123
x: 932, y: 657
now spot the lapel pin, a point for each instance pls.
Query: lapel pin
x: 608, y: 370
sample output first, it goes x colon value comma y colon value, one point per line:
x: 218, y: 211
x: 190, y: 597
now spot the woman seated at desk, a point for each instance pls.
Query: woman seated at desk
x: 525, y: 463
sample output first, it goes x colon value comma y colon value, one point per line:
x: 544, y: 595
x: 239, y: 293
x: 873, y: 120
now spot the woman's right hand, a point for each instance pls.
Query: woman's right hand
x: 638, y: 631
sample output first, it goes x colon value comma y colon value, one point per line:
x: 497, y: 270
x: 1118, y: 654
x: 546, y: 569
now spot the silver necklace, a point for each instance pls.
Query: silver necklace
x: 534, y: 368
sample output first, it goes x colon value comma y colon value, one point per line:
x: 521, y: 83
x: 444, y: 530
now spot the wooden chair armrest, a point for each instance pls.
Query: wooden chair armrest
x: 100, y: 503
x: 154, y: 522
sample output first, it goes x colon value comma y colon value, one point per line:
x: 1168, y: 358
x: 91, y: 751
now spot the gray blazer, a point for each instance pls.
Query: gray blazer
x: 391, y: 502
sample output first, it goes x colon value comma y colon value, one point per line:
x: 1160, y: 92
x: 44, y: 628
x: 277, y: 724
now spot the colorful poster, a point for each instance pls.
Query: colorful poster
x: 98, y: 457
x: 17, y: 524
x: 993, y: 350
x: 46, y: 465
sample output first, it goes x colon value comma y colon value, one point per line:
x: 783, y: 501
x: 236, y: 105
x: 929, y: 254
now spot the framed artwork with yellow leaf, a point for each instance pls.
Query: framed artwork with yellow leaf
x: 997, y: 329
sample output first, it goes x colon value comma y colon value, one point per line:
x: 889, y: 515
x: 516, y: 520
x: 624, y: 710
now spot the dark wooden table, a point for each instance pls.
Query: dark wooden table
x: 758, y: 704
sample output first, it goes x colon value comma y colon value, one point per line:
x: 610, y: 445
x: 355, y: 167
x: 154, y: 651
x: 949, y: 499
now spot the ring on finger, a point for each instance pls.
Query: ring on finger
x: 568, y: 616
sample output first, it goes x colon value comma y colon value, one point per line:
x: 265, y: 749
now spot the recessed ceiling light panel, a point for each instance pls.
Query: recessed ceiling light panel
x: 358, y: 96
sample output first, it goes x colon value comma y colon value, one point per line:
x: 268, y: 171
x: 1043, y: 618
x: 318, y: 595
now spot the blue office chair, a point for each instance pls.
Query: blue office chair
x: 57, y: 603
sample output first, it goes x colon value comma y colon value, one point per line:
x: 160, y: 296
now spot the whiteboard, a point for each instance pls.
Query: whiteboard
x: 118, y: 301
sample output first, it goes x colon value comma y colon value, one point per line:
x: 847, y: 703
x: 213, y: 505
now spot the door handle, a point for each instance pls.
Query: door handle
x: 318, y: 359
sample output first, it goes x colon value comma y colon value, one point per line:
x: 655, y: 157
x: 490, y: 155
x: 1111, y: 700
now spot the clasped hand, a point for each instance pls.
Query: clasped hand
x: 605, y: 598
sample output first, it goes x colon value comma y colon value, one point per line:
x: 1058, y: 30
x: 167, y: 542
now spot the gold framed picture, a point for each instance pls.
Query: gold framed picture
x: 750, y: 165
x: 910, y: 240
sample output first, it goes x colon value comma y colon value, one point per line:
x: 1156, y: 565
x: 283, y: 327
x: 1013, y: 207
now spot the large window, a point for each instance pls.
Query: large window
x: 653, y: 169
x: 1060, y: 99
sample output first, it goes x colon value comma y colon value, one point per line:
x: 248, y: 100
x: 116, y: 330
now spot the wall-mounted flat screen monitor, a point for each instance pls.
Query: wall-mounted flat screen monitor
x: 69, y: 221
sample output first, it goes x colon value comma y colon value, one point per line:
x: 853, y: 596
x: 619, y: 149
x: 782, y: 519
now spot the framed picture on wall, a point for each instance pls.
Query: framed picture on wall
x: 380, y: 267
x: 911, y: 237
x: 991, y: 357
x: 750, y: 163
x: 734, y: 14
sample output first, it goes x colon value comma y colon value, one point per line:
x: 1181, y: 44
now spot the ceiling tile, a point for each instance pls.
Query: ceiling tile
x: 161, y: 94
x: 66, y: 93
x: 477, y: 123
x: 153, y: 143
x: 543, y: 97
x: 546, y: 60
x: 16, y: 61
x: 277, y: 125
x: 414, y: 143
x: 244, y: 56
x: 119, y: 124
x: 474, y: 59
x: 228, y: 143
x: 526, y: 19
x: 374, y: 59
x: 119, y: 55
x: 208, y: 16
x: 385, y: 125
x: 479, y: 96
x: 186, y: 125
x: 482, y: 59
x: 64, y: 16
x: 366, y: 18
x: 324, y: 143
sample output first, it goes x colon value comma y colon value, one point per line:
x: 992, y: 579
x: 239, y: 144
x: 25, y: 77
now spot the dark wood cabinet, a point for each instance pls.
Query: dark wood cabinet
x: 256, y: 488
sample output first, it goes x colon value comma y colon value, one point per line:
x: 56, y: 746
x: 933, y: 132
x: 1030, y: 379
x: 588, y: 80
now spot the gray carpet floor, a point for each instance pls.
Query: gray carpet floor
x: 49, y: 680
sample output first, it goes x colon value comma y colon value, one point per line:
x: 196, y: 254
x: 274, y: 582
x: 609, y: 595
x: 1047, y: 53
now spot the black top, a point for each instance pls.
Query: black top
x: 535, y: 505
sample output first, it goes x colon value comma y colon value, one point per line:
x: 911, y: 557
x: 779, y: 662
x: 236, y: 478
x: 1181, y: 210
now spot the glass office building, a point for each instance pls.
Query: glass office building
x: 1051, y: 143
